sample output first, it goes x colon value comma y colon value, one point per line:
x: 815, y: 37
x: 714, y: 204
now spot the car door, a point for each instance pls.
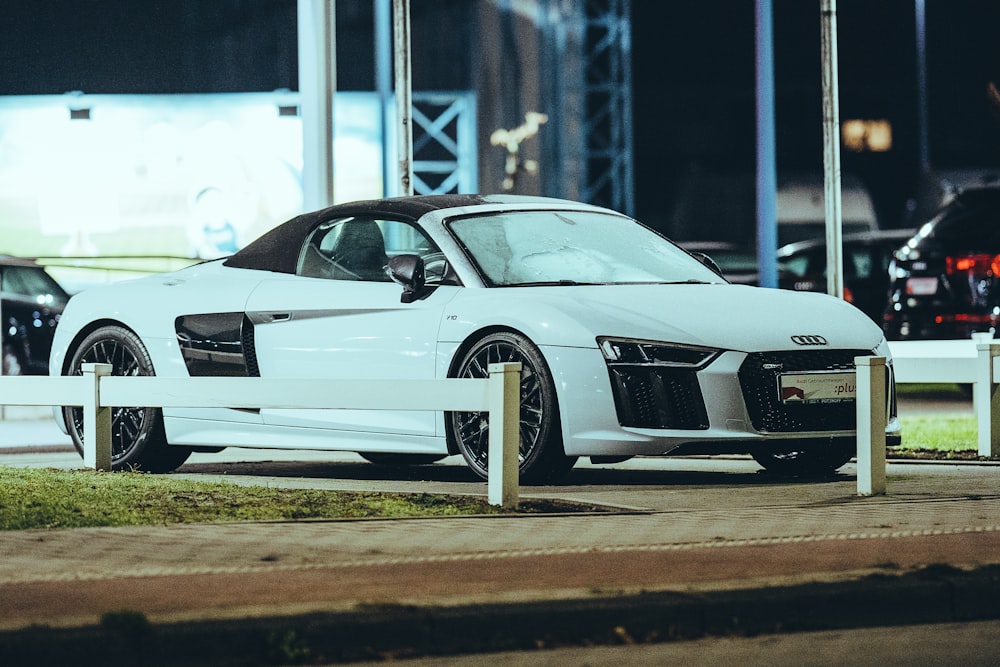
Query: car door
x: 341, y: 317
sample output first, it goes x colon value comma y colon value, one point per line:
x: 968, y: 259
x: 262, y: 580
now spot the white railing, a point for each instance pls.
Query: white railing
x: 975, y: 362
x: 870, y: 403
x: 970, y: 361
x: 97, y: 391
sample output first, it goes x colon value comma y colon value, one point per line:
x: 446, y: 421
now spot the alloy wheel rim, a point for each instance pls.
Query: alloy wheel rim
x: 473, y: 427
x: 126, y: 422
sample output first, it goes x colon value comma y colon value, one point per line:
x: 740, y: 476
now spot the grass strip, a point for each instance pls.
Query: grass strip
x: 48, y: 498
x: 940, y: 432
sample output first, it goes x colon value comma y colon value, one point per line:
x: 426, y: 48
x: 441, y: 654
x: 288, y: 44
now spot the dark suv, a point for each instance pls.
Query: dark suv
x: 945, y: 282
x: 31, y: 304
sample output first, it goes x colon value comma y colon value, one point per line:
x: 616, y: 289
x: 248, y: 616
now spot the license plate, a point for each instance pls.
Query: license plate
x: 922, y: 286
x: 817, y: 387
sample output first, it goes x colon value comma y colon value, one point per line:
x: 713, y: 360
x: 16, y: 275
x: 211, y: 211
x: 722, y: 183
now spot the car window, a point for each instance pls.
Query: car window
x: 961, y: 221
x: 31, y: 283
x: 797, y: 265
x: 359, y: 249
x: 862, y: 264
x: 859, y: 263
x: 573, y: 247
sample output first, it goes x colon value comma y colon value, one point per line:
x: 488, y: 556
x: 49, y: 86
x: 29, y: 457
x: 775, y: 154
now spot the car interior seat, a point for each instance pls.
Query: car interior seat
x: 359, y: 253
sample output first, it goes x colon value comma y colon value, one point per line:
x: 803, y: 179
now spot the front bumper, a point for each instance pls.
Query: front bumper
x: 732, y: 406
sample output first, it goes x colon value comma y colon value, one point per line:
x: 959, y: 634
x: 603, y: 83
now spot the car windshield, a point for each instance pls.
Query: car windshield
x: 520, y: 248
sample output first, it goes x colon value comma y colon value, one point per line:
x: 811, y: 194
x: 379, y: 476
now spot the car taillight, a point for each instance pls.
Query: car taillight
x: 967, y: 318
x: 987, y: 266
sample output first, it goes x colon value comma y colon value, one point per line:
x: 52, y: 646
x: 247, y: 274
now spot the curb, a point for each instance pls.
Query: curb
x: 935, y: 594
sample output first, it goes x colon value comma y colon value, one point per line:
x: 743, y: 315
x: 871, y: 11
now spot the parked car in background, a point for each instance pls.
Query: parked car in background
x: 945, y: 280
x: 866, y: 257
x: 801, y: 207
x: 628, y: 344
x: 700, y: 213
x: 738, y: 263
x: 31, y: 305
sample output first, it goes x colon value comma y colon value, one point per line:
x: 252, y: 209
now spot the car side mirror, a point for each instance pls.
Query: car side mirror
x: 408, y: 271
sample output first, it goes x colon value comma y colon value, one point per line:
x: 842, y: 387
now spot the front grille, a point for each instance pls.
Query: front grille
x: 658, y: 397
x: 759, y: 381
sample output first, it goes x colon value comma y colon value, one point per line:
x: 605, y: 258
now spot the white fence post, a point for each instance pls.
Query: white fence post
x: 504, y: 439
x: 870, y: 403
x: 96, y: 420
x: 986, y: 396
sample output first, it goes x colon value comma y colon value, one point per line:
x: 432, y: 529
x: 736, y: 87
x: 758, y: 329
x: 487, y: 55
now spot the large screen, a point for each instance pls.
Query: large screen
x: 194, y: 176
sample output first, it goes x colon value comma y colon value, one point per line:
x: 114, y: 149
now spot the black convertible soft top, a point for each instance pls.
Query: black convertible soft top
x: 278, y: 249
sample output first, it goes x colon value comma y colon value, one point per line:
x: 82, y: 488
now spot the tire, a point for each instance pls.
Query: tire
x: 541, y: 457
x: 138, y: 440
x: 816, y: 459
x: 384, y: 459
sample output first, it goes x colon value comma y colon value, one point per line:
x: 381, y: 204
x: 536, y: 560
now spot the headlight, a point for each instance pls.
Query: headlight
x: 623, y: 351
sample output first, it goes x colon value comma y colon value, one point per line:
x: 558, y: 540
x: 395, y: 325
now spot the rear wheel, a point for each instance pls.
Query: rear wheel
x: 138, y: 440
x: 794, y: 459
x: 541, y: 457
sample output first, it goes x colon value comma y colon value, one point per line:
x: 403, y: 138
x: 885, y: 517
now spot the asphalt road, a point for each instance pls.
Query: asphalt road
x: 938, y: 644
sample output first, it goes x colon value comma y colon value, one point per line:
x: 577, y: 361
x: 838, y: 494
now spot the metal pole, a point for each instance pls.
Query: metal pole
x: 831, y: 152
x: 404, y: 142
x: 922, y: 127
x: 767, y: 187
x: 317, y: 82
x: 383, y: 81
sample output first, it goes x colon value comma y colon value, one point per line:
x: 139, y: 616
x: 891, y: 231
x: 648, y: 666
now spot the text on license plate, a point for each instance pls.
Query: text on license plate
x: 922, y: 286
x: 817, y: 387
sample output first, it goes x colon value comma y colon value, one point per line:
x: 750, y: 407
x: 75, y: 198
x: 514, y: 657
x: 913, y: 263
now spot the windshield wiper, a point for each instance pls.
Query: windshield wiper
x: 549, y: 283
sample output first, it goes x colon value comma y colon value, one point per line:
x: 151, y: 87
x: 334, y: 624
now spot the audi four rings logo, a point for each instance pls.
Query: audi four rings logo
x: 809, y: 340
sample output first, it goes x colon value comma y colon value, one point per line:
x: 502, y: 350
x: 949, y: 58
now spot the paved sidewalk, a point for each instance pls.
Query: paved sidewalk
x: 687, y: 547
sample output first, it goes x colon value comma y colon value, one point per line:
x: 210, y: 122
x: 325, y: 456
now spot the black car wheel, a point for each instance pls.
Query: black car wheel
x: 813, y: 460
x: 138, y: 440
x: 541, y: 457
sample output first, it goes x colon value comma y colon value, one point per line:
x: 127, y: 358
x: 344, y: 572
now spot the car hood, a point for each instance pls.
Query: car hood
x: 736, y: 317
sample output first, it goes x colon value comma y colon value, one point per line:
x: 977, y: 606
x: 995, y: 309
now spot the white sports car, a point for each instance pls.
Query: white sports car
x: 630, y: 346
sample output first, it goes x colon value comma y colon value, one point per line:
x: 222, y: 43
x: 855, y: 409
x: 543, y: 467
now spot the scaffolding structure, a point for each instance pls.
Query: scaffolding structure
x: 586, y: 50
x: 583, y: 86
x: 607, y: 93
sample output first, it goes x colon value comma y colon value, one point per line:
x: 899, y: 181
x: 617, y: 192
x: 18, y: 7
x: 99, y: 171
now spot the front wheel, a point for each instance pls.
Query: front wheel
x: 541, y: 457
x: 138, y: 440
x: 793, y: 460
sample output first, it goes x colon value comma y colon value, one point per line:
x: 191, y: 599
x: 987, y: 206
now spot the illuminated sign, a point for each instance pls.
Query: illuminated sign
x: 866, y: 135
x: 166, y: 175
